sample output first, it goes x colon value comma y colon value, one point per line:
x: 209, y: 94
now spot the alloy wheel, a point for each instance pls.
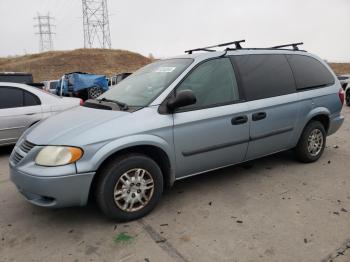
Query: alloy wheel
x: 133, y: 190
x: 315, y: 142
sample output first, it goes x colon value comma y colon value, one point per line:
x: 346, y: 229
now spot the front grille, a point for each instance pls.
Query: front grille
x: 16, y: 157
x: 26, y: 146
x: 20, y: 151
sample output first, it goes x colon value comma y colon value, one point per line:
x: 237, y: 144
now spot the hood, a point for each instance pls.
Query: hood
x: 69, y: 124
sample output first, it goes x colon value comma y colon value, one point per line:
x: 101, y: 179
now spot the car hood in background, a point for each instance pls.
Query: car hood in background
x: 70, y: 124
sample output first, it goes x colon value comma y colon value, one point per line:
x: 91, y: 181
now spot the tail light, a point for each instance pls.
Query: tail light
x: 81, y: 101
x: 341, y: 95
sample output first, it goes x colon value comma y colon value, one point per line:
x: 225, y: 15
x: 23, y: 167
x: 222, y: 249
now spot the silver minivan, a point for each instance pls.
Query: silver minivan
x: 176, y: 118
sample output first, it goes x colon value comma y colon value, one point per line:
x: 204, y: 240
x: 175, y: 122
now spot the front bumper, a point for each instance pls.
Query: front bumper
x: 334, y: 124
x: 53, y: 191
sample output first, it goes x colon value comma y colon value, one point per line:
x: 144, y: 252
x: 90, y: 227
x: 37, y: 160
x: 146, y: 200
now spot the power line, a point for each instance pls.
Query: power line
x: 45, y: 33
x: 96, y: 24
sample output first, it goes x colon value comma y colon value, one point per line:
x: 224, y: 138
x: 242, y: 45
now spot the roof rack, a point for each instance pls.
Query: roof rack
x: 208, y: 48
x: 294, y: 45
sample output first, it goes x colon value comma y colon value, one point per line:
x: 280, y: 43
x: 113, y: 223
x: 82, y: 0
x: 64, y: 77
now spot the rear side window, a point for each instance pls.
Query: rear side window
x: 263, y: 76
x: 30, y: 99
x: 10, y: 97
x: 309, y: 72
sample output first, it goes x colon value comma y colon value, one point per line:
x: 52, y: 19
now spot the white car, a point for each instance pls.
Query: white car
x: 21, y: 106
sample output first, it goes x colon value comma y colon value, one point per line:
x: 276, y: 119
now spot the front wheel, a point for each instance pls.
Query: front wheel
x: 311, y: 143
x: 129, y: 187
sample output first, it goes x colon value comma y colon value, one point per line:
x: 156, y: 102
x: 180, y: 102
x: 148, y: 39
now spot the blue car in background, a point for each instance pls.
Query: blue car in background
x: 82, y: 85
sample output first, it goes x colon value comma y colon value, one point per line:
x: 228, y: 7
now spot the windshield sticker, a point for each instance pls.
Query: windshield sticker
x: 165, y: 69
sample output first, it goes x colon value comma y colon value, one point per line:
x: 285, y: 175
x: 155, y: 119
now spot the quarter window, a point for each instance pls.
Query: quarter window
x: 30, y: 99
x: 309, y: 72
x: 264, y: 76
x: 213, y: 83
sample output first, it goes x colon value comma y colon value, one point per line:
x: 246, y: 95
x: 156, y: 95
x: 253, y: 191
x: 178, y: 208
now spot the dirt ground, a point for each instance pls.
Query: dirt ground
x: 272, y: 209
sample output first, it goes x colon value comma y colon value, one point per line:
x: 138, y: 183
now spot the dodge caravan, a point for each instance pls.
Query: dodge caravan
x: 177, y: 118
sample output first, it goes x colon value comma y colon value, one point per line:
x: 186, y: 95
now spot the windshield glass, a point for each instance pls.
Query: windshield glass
x: 143, y: 86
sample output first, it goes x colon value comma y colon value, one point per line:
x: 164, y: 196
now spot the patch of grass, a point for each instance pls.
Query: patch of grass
x: 123, y: 238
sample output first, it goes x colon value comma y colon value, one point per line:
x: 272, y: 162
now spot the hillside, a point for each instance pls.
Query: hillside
x: 341, y: 68
x: 52, y: 65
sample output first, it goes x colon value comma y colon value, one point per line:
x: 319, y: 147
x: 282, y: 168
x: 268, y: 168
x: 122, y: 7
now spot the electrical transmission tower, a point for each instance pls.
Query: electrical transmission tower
x: 96, y: 24
x: 43, y: 23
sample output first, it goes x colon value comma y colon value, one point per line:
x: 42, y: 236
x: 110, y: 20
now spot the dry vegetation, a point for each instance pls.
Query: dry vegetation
x: 52, y: 65
x: 341, y: 68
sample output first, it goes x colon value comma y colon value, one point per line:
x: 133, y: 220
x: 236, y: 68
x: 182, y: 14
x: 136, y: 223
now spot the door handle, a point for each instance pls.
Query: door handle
x: 239, y: 120
x: 258, y: 116
x: 30, y: 114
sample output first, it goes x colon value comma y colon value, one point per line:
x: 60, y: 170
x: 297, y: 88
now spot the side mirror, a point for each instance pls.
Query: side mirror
x: 182, y: 98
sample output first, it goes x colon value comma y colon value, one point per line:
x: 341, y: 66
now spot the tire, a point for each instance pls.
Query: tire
x: 303, y: 152
x: 111, y: 181
x: 347, y: 97
x: 94, y: 92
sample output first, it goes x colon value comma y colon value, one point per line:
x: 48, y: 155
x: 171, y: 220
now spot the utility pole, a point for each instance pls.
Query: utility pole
x: 96, y: 24
x: 44, y: 25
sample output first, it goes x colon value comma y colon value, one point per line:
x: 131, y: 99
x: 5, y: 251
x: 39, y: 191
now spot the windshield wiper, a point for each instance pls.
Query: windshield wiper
x: 121, y: 105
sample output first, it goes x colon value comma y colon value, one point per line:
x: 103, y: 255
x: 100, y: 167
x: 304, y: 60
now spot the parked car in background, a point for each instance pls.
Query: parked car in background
x: 116, y: 79
x: 21, y: 106
x: 51, y: 86
x: 82, y: 85
x: 177, y: 118
x: 16, y: 77
x: 20, y: 77
x: 345, y: 83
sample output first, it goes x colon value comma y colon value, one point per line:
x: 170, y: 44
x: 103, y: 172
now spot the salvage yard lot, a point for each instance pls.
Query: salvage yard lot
x: 271, y: 209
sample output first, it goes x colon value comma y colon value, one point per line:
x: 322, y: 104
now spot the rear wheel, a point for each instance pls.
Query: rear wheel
x: 94, y: 92
x: 129, y: 187
x: 347, y: 97
x: 311, y: 143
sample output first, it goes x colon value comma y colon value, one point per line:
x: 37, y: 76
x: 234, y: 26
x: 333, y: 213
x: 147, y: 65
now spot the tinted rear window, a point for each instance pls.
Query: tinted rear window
x: 309, y: 72
x: 263, y: 76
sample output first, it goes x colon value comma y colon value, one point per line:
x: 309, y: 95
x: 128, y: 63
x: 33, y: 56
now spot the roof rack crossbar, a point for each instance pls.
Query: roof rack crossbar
x: 294, y: 45
x: 208, y: 48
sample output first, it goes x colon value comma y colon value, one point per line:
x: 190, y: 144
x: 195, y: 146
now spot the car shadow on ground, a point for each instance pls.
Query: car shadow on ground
x: 229, y: 175
x: 234, y: 173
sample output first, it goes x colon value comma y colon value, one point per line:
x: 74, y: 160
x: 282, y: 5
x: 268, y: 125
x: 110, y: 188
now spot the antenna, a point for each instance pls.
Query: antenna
x: 96, y: 24
x: 44, y: 31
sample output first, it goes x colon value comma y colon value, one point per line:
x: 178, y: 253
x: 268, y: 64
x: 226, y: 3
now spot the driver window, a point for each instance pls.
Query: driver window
x: 213, y: 83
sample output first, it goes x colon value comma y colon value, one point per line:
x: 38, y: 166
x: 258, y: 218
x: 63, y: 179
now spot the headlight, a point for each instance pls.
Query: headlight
x: 58, y: 155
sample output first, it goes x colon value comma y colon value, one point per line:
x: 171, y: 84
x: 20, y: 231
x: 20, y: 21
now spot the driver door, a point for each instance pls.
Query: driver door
x: 214, y: 132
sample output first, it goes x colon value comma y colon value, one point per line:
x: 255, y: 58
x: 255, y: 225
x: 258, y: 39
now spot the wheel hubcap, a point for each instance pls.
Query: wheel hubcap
x: 133, y: 190
x: 315, y: 142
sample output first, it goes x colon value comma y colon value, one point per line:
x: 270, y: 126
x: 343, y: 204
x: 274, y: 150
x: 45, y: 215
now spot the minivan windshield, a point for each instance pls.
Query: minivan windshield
x: 143, y: 86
